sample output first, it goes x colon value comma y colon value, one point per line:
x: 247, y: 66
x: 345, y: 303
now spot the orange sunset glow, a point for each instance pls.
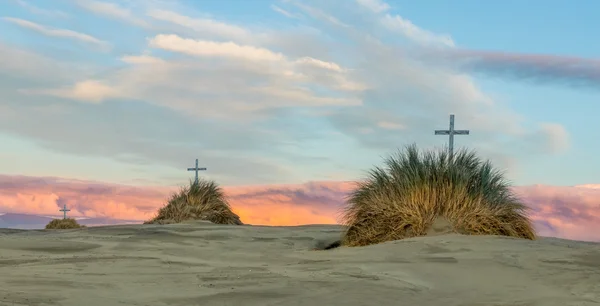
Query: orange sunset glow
x: 567, y: 212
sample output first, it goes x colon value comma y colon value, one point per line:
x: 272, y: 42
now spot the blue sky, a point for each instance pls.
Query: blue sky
x: 266, y: 92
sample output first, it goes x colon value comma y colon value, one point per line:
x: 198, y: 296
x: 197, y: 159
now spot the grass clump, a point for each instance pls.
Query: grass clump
x: 63, y: 224
x: 204, y: 200
x: 417, y: 189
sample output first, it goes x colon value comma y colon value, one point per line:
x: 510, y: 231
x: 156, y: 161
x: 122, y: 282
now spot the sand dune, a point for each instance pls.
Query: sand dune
x: 205, y: 264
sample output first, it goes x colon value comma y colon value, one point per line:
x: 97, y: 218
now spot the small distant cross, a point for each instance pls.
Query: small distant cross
x: 451, y: 132
x: 196, y: 169
x: 64, y: 210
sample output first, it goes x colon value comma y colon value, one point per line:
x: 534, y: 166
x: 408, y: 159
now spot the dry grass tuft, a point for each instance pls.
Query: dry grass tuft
x: 63, y: 224
x: 416, y: 190
x: 202, y: 201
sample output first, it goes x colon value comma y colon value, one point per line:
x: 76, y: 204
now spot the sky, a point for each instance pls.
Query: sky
x: 105, y: 104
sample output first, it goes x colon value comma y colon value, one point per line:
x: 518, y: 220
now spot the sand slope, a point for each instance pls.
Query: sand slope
x: 205, y: 264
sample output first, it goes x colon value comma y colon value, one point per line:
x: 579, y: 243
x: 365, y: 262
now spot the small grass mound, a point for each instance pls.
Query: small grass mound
x: 417, y: 191
x: 63, y: 224
x: 202, y: 201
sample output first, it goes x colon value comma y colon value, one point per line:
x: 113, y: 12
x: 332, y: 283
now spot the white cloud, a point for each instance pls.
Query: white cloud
x: 557, y: 138
x: 111, y: 10
x: 320, y: 14
x: 56, y: 32
x: 36, y: 67
x: 259, y: 80
x: 319, y: 63
x: 283, y: 12
x: 344, y: 83
x: 390, y: 125
x: 202, y: 25
x: 327, y: 73
x: 40, y: 11
x: 142, y: 59
x: 212, y: 49
x: 405, y: 27
x: 376, y: 6
x: 85, y: 91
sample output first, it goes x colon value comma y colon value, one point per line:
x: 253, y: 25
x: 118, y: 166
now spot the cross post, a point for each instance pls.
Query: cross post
x: 196, y: 169
x: 451, y: 132
x: 64, y: 211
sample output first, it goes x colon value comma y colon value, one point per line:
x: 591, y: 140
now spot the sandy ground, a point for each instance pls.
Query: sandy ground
x: 206, y: 264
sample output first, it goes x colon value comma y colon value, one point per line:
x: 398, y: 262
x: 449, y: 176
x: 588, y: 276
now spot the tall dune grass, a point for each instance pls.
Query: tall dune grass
x: 406, y: 196
x: 204, y: 200
x: 63, y: 224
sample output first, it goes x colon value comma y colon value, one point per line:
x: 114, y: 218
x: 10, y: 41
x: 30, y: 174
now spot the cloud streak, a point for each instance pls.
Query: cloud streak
x: 535, y: 68
x: 62, y: 33
x: 211, y: 48
x: 111, y: 10
x: 405, y: 27
x: 40, y: 11
x: 283, y: 12
x: 565, y: 212
x: 204, y: 26
x: 376, y: 6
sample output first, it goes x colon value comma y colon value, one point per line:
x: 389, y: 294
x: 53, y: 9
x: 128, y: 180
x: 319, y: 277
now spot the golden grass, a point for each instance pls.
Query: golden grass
x: 202, y: 201
x: 406, y: 197
x: 63, y: 224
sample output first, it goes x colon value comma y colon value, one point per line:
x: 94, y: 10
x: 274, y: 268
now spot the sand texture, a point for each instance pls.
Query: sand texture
x: 205, y: 264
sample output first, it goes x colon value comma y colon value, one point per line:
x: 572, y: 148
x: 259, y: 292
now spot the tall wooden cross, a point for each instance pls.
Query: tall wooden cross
x: 196, y: 169
x: 64, y: 211
x: 451, y: 132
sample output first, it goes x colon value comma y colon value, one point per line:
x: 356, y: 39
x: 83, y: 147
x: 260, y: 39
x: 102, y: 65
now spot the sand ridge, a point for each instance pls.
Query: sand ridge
x: 199, y: 263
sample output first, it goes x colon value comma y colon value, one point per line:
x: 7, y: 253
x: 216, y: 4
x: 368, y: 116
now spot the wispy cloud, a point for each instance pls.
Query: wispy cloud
x: 62, y: 33
x: 558, y: 138
x: 376, y: 6
x: 211, y: 48
x: 273, y: 67
x: 41, y: 11
x: 85, y: 91
x: 111, y: 10
x: 535, y: 68
x: 320, y: 14
x: 283, y: 12
x: 142, y: 59
x: 208, y: 26
x: 408, y: 29
x: 319, y: 63
x: 35, y: 67
x: 403, y: 26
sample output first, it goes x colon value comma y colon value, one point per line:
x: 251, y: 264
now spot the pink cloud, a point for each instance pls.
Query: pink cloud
x: 565, y: 212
